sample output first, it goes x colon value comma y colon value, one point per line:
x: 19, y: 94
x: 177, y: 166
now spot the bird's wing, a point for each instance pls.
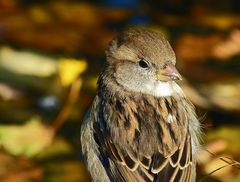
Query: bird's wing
x: 125, y: 163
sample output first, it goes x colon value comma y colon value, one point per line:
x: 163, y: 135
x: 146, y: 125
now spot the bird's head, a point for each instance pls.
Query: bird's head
x: 143, y: 61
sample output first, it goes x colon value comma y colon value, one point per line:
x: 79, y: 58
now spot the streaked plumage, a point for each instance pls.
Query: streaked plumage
x: 140, y: 126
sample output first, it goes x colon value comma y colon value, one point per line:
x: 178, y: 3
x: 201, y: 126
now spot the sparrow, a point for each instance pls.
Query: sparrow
x: 140, y: 127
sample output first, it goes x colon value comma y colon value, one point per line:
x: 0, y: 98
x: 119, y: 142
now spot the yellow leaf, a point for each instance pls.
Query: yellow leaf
x: 70, y: 69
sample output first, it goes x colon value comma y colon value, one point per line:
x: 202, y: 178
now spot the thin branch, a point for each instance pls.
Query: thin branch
x: 205, y: 177
x: 236, y: 163
x: 232, y: 163
x: 70, y: 101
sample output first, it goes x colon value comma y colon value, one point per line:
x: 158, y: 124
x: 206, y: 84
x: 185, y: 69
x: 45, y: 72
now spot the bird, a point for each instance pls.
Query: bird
x: 140, y: 127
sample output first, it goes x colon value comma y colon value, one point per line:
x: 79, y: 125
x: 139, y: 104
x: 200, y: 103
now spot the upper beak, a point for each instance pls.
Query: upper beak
x: 168, y: 74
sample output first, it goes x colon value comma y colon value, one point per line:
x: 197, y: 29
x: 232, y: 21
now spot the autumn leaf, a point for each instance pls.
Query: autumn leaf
x: 28, y: 139
x: 69, y: 70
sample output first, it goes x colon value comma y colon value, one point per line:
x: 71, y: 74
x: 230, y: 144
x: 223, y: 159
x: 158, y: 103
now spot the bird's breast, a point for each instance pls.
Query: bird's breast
x: 147, y: 123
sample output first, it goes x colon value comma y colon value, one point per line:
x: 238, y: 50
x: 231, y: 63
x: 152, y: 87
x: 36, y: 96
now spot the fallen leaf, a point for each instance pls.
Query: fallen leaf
x: 28, y: 139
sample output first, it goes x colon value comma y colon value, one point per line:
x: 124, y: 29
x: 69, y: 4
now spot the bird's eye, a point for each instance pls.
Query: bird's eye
x: 143, y: 63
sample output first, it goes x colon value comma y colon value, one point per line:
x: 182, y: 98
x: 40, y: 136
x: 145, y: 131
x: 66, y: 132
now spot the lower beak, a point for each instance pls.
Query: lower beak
x: 169, y: 73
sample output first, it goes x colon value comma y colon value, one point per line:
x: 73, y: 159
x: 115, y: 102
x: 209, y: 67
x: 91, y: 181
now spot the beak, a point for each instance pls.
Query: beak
x: 169, y: 73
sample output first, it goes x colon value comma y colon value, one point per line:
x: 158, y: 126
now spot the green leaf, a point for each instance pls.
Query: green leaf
x: 28, y: 139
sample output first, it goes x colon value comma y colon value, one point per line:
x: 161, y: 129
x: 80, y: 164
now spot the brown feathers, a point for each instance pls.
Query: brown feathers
x: 138, y: 136
x: 141, y: 128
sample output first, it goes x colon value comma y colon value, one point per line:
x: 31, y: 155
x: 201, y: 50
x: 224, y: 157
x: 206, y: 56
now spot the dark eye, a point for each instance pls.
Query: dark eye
x: 143, y: 63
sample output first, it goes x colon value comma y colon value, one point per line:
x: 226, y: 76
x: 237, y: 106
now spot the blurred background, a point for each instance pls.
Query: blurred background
x: 51, y: 53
